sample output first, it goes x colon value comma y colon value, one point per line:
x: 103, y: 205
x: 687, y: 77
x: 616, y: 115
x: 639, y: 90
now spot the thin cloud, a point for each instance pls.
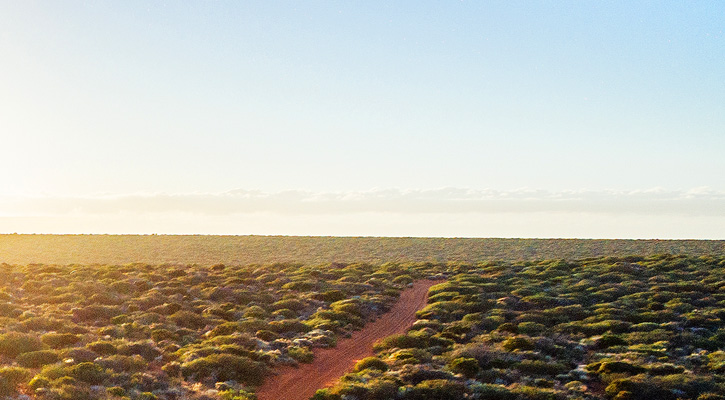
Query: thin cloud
x: 695, y: 202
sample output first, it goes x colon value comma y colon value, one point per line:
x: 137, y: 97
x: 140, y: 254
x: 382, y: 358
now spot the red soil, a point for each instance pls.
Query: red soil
x: 330, y: 364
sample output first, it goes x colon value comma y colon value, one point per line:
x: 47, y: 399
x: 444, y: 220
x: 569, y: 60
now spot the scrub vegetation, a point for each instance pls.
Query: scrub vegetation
x: 635, y: 327
x: 601, y: 328
x: 243, y: 250
x: 168, y: 331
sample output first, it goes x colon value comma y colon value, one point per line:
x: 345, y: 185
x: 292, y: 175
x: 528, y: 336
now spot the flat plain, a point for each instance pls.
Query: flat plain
x: 255, y: 318
x: 243, y: 250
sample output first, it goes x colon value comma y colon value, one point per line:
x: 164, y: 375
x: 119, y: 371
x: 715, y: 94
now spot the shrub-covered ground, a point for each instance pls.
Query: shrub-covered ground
x: 243, y: 250
x: 601, y: 328
x: 170, y: 332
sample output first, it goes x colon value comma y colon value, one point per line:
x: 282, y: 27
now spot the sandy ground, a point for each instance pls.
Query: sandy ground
x: 330, y: 364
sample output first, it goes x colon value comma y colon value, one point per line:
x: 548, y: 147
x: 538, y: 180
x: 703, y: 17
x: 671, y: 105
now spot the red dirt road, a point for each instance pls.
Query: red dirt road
x: 330, y: 364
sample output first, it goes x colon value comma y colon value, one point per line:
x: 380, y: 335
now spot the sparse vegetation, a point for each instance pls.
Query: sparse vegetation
x: 634, y: 327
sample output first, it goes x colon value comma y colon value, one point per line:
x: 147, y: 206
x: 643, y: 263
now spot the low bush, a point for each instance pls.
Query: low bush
x: 486, y: 391
x: 147, y: 350
x: 536, y: 393
x: 325, y: 394
x: 79, y: 354
x: 11, y: 377
x: 102, y: 347
x: 36, y: 359
x: 39, y: 382
x: 467, y: 367
x: 291, y: 304
x: 88, y: 372
x: 370, y: 363
x: 95, y: 312
x: 399, y: 341
x: 120, y: 363
x: 14, y: 343
x: 300, y: 354
x: 538, y: 367
x: 266, y: 335
x: 288, y: 326
x: 59, y: 340
x: 187, y: 319
x: 518, y: 343
x: 437, y: 389
x: 224, y: 367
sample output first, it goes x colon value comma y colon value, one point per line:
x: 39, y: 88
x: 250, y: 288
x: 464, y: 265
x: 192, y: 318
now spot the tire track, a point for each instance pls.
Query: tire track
x: 302, y: 382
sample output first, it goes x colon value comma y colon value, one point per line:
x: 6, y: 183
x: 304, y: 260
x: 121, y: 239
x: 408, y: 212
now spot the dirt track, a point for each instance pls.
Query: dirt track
x: 302, y: 383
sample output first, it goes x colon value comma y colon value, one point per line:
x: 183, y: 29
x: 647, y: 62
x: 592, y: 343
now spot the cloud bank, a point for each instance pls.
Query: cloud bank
x: 695, y: 202
x: 451, y: 212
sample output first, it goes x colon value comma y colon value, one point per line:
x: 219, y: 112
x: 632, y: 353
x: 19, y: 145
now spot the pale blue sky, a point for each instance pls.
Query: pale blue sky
x: 120, y: 98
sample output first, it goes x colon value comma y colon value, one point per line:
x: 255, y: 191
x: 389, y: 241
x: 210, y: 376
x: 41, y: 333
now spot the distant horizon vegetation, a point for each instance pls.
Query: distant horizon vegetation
x: 258, y: 249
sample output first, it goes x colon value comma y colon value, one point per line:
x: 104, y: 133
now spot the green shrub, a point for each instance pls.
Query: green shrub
x: 330, y: 296
x: 411, y: 356
x: 14, y: 343
x: 36, y: 359
x: 518, y: 343
x: 102, y: 347
x: 300, y: 354
x: 232, y: 394
x: 172, y: 369
x: 609, y: 340
x: 301, y: 286
x: 531, y: 328
x: 116, y: 391
x: 710, y: 396
x: 242, y: 339
x: 665, y: 369
x: 255, y: 312
x: 325, y: 394
x: 251, y: 325
x: 508, y: 327
x: 59, y: 340
x: 120, y: 319
x: 399, y: 341
x: 716, y: 361
x: 266, y: 335
x: 187, y: 319
x: 39, y: 382
x: 284, y: 313
x: 225, y: 367
x: 160, y: 334
x: 95, y: 312
x: 370, y: 363
x: 538, y: 367
x: 288, y: 325
x: 467, y: 367
x: 79, y: 354
x: 226, y: 328
x: 11, y: 377
x: 291, y: 304
x: 72, y: 391
x: 436, y: 389
x: 346, y: 306
x: 341, y: 316
x: 535, y: 393
x: 147, y: 349
x: 619, y: 367
x: 120, y: 363
x: 88, y: 372
x: 487, y: 391
x: 403, y: 279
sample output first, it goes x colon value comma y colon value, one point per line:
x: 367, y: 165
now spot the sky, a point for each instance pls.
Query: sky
x: 410, y: 118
